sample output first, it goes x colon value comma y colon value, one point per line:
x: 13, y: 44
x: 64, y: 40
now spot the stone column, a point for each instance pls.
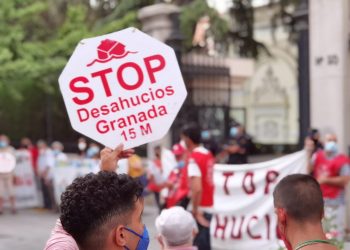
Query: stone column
x: 329, y: 64
x: 161, y: 21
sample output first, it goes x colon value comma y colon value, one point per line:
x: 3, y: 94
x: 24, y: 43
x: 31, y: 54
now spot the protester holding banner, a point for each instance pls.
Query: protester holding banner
x: 26, y: 143
x: 332, y: 171
x: 178, y: 180
x: 176, y: 229
x: 200, y: 171
x: 299, y: 208
x: 46, y: 163
x: 7, y: 165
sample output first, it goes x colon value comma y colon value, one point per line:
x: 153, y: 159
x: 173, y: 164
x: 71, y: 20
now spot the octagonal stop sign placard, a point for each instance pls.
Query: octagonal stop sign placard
x: 124, y: 87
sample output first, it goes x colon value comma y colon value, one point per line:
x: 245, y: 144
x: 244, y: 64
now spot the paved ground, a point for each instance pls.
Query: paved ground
x: 29, y: 229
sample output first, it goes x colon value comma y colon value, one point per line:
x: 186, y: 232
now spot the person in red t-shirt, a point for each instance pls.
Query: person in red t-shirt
x: 155, y: 180
x: 26, y: 143
x: 177, y: 180
x: 332, y: 171
x: 200, y: 172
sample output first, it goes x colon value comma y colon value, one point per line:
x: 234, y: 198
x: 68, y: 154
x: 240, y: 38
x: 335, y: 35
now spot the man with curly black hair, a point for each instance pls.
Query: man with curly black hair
x: 101, y: 211
x: 104, y: 211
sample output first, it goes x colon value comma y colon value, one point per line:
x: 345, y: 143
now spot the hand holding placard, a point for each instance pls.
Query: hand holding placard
x: 110, y: 157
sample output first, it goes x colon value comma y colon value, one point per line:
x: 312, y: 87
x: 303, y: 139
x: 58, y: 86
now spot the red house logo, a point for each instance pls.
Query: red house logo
x: 108, y: 50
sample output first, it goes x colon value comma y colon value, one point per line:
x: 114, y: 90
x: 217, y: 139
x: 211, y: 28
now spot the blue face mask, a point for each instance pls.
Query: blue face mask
x: 92, y: 151
x: 331, y: 146
x: 205, y: 135
x: 144, y: 239
x: 233, y: 131
x: 3, y: 144
x: 56, y: 152
x: 181, y: 164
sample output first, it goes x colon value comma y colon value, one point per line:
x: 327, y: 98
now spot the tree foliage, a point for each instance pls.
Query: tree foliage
x: 36, y: 39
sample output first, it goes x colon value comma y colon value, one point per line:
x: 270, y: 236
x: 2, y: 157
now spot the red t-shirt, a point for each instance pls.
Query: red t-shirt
x: 201, y: 163
x: 178, y: 177
x: 35, y: 155
x: 329, y: 168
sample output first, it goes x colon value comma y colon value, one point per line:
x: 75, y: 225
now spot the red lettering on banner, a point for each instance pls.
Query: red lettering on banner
x: 227, y: 175
x: 239, y: 234
x: 83, y: 90
x: 220, y: 227
x: 242, y: 225
x: 270, y: 178
x: 254, y: 237
x: 102, y: 75
x: 268, y: 223
x: 251, y: 188
x: 151, y: 70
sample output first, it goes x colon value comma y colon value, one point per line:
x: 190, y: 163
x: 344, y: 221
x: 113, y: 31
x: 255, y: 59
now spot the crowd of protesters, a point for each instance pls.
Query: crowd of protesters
x: 42, y: 159
x: 104, y: 210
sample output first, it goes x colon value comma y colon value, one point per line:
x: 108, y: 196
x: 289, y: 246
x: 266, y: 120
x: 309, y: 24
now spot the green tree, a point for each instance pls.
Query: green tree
x: 36, y: 39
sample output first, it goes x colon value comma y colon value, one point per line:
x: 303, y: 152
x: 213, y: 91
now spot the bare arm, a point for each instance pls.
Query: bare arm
x: 309, y: 146
x: 339, y: 181
x: 196, y: 190
x: 110, y: 157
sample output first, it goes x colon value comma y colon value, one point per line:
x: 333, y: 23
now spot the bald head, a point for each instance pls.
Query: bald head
x: 300, y: 195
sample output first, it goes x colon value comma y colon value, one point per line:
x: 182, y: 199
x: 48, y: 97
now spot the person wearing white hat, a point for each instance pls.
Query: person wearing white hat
x: 176, y: 229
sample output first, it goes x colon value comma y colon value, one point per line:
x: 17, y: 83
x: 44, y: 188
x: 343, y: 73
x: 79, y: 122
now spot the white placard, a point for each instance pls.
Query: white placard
x: 7, y: 162
x: 122, y: 87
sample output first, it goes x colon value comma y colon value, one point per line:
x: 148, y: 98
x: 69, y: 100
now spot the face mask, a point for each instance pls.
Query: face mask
x: 205, y: 135
x: 233, y: 131
x: 181, y: 164
x: 144, y: 239
x: 331, y: 146
x: 82, y: 146
x: 56, y: 152
x: 91, y: 152
x: 3, y: 144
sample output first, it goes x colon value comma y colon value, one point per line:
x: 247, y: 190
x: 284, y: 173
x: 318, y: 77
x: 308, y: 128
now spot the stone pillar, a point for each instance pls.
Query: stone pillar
x: 161, y: 21
x: 329, y: 64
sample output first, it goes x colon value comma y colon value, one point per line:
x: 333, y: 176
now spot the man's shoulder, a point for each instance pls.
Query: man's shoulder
x: 201, y: 152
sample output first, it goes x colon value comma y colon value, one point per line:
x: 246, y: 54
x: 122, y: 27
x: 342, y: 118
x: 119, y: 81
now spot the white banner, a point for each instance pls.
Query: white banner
x: 25, y: 185
x: 64, y: 174
x: 244, y: 216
